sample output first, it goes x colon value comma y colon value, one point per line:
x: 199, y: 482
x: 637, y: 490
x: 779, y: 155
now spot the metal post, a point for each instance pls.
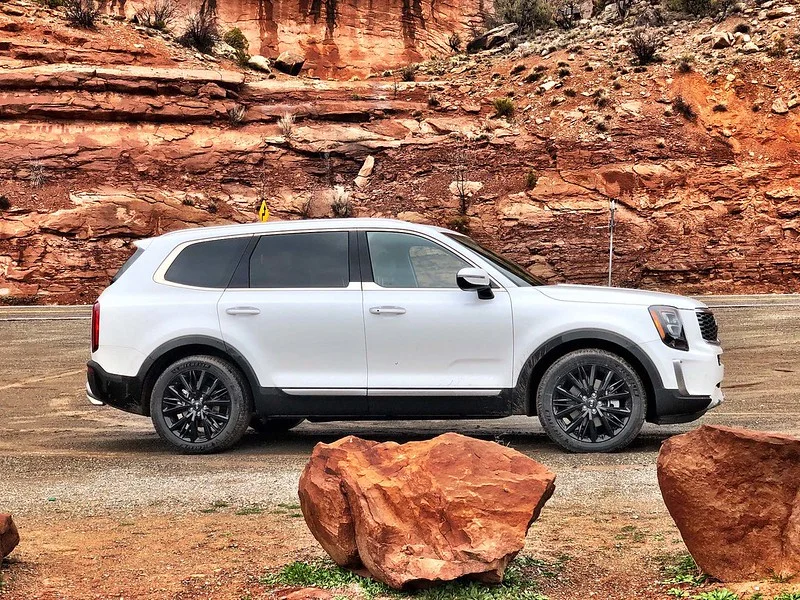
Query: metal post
x: 612, y: 208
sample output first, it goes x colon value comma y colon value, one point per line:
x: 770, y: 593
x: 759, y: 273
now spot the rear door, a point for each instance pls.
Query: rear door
x: 294, y: 310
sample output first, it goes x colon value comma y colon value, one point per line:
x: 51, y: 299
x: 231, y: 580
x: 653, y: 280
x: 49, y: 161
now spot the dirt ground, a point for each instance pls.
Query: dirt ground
x: 106, y: 510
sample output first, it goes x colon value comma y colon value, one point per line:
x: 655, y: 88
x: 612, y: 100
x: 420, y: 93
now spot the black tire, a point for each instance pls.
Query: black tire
x: 201, y: 404
x: 591, y: 401
x: 273, y: 425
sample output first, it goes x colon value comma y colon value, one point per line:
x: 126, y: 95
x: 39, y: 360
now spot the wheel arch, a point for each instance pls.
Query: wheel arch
x: 181, y: 347
x: 581, y: 339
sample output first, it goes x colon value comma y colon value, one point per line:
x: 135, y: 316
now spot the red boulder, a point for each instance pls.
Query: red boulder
x: 735, y: 497
x: 9, y: 536
x: 424, y: 511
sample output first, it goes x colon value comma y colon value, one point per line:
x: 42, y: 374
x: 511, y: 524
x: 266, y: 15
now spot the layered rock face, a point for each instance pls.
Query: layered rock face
x: 9, y: 536
x: 93, y: 157
x: 423, y: 512
x: 735, y: 497
x: 345, y: 36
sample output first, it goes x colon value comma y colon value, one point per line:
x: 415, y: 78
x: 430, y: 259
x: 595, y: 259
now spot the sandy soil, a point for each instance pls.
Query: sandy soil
x: 106, y: 510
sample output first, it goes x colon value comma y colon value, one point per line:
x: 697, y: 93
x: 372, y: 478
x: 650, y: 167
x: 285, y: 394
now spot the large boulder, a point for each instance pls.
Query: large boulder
x: 9, y: 536
x: 735, y: 496
x: 492, y: 38
x: 424, y: 511
x: 290, y: 63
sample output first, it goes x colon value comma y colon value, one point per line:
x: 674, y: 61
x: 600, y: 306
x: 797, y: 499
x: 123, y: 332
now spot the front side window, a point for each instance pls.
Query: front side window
x: 403, y: 260
x: 515, y: 272
x: 207, y: 264
x: 301, y: 260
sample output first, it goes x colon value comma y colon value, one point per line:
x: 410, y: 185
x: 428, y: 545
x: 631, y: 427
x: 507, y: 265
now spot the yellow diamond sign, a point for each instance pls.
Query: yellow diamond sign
x: 263, y: 212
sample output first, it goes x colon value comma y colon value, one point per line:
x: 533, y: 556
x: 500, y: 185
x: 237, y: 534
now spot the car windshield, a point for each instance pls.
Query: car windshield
x: 516, y: 273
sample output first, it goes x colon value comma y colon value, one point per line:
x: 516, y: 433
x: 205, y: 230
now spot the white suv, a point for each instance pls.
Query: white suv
x: 209, y: 331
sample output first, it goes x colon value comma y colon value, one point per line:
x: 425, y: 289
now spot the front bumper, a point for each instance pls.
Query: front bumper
x: 119, y: 391
x: 679, y: 406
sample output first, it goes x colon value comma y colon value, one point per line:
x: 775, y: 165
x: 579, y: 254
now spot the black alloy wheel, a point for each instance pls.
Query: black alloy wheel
x: 591, y: 401
x: 201, y: 404
x: 196, y: 406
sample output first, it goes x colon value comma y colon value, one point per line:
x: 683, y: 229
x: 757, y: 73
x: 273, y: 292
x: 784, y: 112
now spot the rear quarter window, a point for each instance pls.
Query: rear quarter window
x: 207, y: 264
x: 127, y: 264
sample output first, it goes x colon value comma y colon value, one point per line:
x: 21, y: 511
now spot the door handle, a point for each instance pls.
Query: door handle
x: 387, y: 310
x: 243, y: 310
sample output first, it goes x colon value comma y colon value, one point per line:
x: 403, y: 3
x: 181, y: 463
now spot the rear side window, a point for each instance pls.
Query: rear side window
x: 207, y: 264
x: 128, y: 263
x: 301, y: 260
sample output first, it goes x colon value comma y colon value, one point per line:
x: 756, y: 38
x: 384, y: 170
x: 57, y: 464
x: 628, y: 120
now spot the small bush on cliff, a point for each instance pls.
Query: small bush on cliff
x: 644, y: 46
x: 531, y: 179
x: 503, y: 107
x: 236, y: 39
x: 683, y: 108
x: 286, y: 125
x: 459, y: 224
x: 530, y: 15
x: 201, y: 31
x: 408, y: 73
x: 54, y: 4
x: 5, y: 203
x: 158, y: 15
x: 81, y: 13
x: 236, y: 115
x: 454, y: 41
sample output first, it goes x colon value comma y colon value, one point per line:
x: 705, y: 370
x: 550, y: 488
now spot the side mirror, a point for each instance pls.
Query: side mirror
x: 475, y: 280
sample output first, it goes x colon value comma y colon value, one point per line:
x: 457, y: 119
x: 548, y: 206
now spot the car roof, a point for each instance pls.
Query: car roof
x: 198, y: 233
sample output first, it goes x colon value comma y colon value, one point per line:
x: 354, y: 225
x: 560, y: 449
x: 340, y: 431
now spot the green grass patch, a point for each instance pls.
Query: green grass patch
x: 253, y: 509
x: 681, y: 569
x: 520, y: 583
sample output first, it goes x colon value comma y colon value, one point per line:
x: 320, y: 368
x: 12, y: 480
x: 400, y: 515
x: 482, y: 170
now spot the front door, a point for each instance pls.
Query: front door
x: 425, y: 336
x: 296, y: 316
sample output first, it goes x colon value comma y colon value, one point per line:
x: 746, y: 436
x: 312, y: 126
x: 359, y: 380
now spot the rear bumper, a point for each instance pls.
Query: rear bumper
x: 119, y: 391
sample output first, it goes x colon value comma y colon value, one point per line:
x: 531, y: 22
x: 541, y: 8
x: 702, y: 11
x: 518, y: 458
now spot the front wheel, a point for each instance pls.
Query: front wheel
x: 200, y: 405
x: 591, y: 401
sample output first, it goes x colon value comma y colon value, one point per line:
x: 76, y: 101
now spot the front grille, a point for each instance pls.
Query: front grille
x: 708, y: 325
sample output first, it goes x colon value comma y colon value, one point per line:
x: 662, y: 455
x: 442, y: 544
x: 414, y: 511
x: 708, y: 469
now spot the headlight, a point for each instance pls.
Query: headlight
x: 670, y: 327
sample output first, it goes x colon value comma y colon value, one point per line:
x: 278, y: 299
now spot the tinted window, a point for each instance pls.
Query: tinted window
x: 207, y: 264
x: 402, y: 260
x: 128, y: 263
x: 301, y: 260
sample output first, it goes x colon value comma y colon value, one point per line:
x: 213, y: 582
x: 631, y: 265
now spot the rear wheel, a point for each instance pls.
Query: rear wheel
x: 591, y: 401
x: 201, y: 404
x: 273, y: 425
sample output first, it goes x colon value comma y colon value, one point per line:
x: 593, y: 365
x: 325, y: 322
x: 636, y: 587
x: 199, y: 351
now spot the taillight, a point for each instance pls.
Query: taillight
x: 95, y: 326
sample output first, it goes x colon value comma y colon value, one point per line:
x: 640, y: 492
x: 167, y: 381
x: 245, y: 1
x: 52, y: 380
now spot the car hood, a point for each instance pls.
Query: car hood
x: 610, y: 295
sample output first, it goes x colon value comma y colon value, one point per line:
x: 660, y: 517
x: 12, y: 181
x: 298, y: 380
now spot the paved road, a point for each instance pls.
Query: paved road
x: 53, y: 445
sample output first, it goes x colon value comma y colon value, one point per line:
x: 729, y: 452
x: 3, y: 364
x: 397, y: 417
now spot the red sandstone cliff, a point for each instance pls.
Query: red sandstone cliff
x: 91, y: 158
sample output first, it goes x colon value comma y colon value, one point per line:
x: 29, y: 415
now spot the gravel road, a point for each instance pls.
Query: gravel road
x: 59, y: 452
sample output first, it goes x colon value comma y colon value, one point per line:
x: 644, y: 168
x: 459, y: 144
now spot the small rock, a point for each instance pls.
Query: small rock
x: 290, y: 63
x: 9, y: 536
x: 466, y: 188
x: 13, y: 11
x: 778, y: 13
x: 727, y: 133
x: 259, y: 62
x: 779, y: 107
x: 792, y: 103
x: 730, y: 77
x: 723, y: 39
x: 492, y: 38
x: 212, y: 90
x: 471, y: 108
x: 548, y: 85
x: 750, y: 48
